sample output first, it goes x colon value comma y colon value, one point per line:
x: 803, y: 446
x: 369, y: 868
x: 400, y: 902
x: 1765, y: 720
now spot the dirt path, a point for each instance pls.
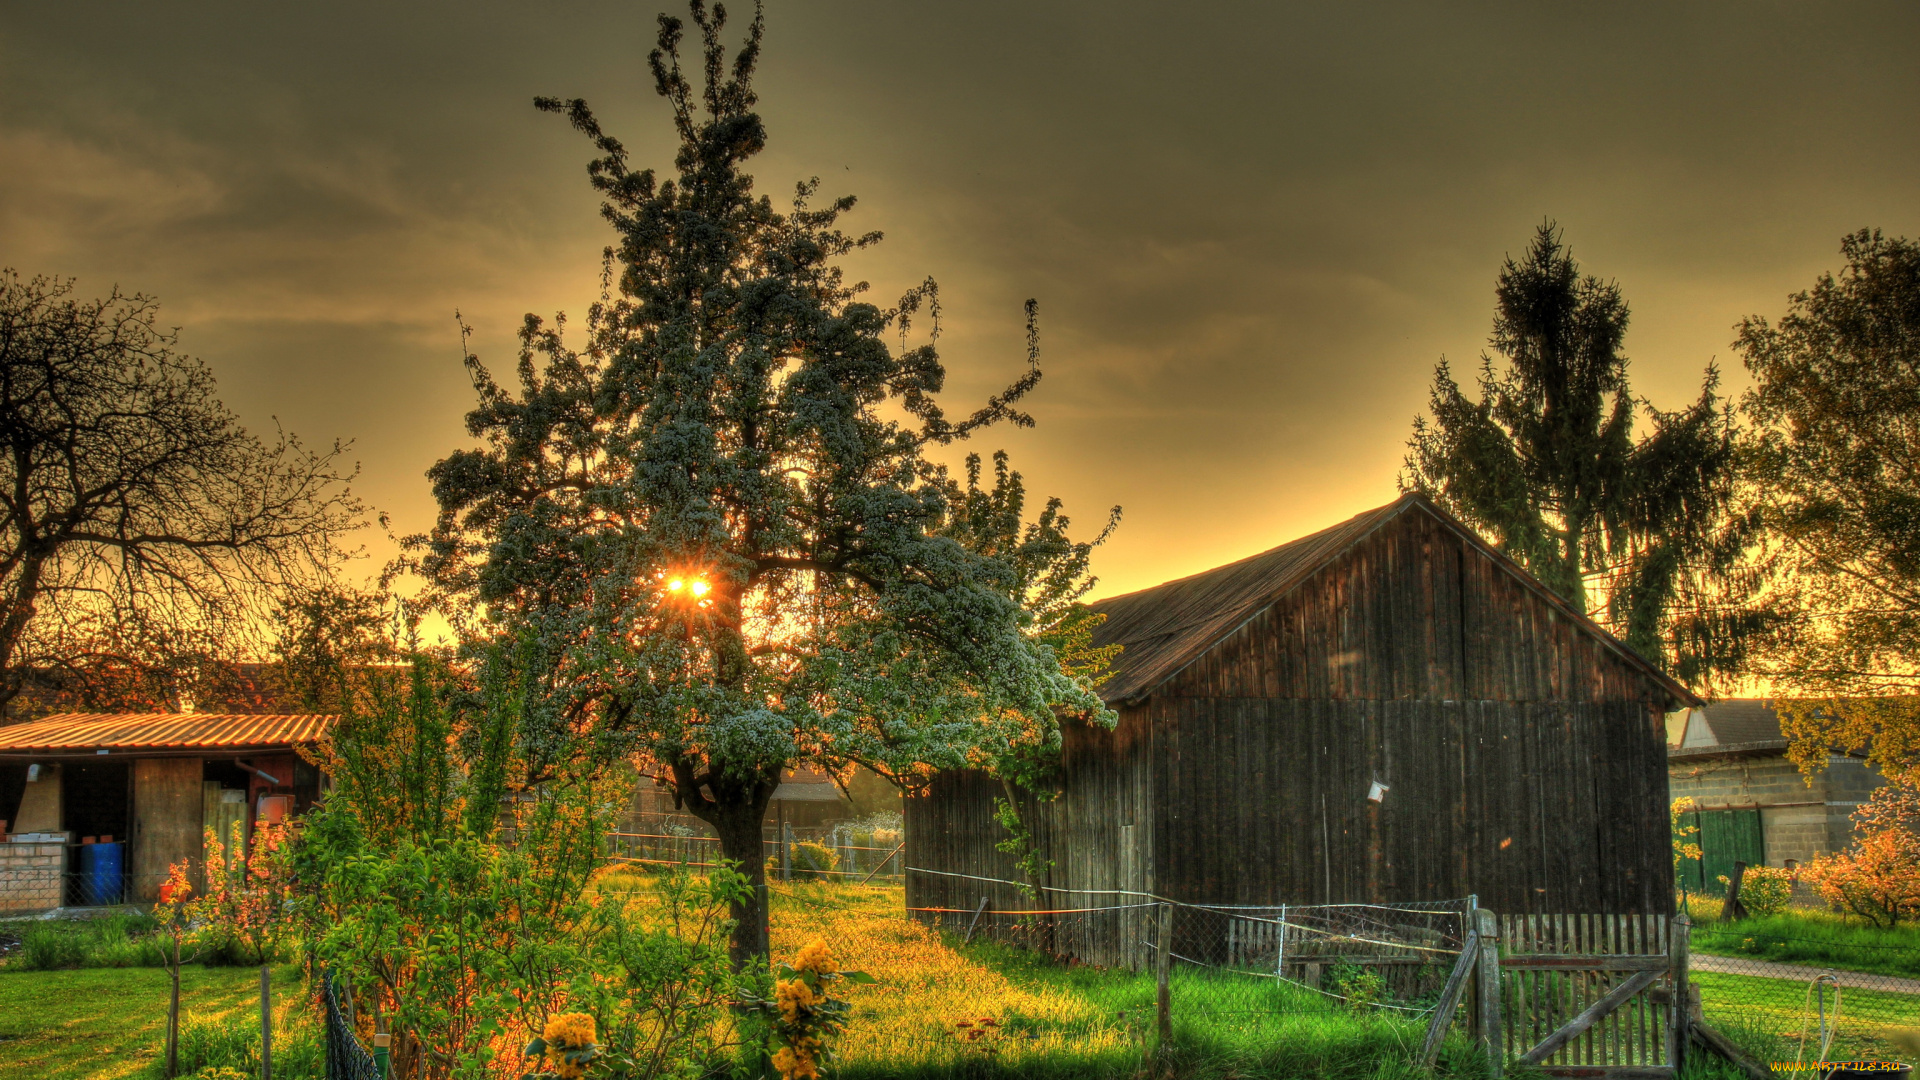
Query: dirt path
x: 1771, y: 969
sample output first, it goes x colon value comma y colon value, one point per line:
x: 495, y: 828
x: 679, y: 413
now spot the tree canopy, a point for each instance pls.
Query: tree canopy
x: 142, y: 529
x: 717, y: 515
x: 1634, y: 528
x: 1834, y: 456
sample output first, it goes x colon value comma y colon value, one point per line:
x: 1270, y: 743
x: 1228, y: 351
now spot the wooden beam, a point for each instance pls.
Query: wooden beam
x: 1613, y: 1071
x: 1615, y: 998
x: 1564, y: 962
x: 1679, y: 942
x: 1492, y: 1034
x: 1449, y: 1000
x: 975, y: 921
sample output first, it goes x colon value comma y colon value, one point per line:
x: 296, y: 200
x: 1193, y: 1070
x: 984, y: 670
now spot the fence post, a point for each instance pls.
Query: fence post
x: 381, y: 1054
x: 975, y: 921
x: 1678, y: 944
x: 1163, y: 970
x: 266, y: 1023
x: 1493, y: 1038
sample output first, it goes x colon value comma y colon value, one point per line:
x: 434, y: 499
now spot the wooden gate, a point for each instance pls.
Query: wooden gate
x: 1591, y: 995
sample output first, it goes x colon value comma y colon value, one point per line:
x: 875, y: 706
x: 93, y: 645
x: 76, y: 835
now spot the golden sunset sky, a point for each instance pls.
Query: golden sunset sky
x: 1253, y: 227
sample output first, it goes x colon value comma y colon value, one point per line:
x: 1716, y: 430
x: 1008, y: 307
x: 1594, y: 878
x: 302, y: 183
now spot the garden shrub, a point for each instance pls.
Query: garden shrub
x: 802, y: 1017
x: 48, y: 946
x: 813, y: 861
x: 1878, y: 878
x: 243, y: 916
x: 1764, y: 890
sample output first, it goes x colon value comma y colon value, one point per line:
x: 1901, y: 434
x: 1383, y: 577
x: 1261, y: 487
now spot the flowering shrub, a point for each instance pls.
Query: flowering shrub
x: 802, y: 1015
x: 1764, y: 890
x: 244, y: 912
x: 1684, y: 849
x: 1877, y: 879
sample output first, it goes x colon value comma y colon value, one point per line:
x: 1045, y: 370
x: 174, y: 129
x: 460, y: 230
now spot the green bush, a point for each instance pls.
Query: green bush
x: 811, y: 860
x: 114, y: 941
x: 49, y: 946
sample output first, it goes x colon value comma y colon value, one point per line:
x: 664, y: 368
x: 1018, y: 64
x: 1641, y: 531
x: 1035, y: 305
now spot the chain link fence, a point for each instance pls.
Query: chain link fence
x: 347, y: 1057
x: 31, y: 890
x: 1782, y: 990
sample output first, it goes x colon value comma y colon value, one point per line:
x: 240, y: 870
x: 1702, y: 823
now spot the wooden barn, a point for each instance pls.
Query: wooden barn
x: 1388, y: 710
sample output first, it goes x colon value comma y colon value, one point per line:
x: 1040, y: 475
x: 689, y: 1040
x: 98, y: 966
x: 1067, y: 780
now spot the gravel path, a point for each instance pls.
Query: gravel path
x: 1773, y: 969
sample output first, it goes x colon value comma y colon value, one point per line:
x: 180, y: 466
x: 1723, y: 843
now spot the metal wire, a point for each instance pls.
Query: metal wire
x: 347, y: 1057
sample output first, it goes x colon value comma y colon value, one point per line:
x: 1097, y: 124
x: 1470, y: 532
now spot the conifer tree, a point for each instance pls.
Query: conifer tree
x: 1632, y: 527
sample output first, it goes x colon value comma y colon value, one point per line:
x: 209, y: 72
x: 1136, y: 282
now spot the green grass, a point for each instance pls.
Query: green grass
x: 1817, y: 938
x: 1060, y: 1022
x: 105, y: 1024
x: 1769, y: 1016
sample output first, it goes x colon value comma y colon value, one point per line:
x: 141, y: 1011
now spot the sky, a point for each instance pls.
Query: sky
x: 1252, y: 228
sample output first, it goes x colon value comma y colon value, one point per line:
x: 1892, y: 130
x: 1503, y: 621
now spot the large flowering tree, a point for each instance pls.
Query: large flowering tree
x: 716, y: 518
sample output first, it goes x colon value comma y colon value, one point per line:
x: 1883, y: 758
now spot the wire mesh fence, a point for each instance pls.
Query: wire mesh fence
x: 1800, y: 988
x: 347, y: 1057
x: 28, y: 890
x: 828, y: 856
x: 1394, y: 958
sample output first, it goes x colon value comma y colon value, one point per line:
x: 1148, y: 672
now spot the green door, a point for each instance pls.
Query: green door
x: 1727, y: 837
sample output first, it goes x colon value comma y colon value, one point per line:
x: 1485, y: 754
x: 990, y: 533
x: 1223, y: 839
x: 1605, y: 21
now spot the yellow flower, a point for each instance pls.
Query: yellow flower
x: 815, y: 957
x: 792, y: 995
x: 570, y: 1031
x: 795, y: 1066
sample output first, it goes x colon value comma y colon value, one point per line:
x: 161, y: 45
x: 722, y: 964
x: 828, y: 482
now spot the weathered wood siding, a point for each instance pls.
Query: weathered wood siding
x: 166, y: 820
x: 1525, y: 756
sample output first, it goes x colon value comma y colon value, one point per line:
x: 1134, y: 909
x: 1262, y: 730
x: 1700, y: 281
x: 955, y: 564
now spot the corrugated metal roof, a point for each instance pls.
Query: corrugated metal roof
x: 1163, y: 629
x: 80, y: 732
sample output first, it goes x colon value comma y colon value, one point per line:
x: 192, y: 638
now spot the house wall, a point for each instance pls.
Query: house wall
x: 1417, y: 660
x: 1525, y: 758
x: 166, y: 820
x: 1800, y: 818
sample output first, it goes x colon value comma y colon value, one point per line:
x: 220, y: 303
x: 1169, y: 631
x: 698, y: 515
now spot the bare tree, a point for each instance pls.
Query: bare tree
x: 139, y: 522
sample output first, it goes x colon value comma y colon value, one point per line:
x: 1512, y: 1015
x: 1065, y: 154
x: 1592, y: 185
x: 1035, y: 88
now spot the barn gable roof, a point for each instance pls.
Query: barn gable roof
x: 1163, y: 629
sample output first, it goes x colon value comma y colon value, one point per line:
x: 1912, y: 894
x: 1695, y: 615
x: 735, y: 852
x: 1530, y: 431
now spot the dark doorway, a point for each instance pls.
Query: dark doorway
x: 95, y: 801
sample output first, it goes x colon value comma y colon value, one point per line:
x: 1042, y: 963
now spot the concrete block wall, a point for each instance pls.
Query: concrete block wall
x: 32, y: 877
x: 1798, y: 832
x: 1744, y: 782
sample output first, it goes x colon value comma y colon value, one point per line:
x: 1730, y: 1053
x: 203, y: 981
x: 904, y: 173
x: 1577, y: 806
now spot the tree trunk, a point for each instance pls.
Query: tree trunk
x: 739, y: 829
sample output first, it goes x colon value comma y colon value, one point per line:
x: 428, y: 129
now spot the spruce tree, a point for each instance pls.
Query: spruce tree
x: 1631, y: 526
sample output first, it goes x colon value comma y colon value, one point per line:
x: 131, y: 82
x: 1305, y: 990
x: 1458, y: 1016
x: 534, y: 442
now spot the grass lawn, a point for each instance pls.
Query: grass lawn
x: 1041, y: 1019
x: 108, y: 1023
x: 1802, y: 936
x: 1759, y: 1011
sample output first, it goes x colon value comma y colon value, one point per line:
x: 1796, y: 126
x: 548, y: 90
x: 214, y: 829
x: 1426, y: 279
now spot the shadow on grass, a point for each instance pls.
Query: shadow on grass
x: 1072, y: 1021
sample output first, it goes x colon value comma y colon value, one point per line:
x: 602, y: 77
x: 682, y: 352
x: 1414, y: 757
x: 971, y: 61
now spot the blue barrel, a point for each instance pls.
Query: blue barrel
x: 104, y: 869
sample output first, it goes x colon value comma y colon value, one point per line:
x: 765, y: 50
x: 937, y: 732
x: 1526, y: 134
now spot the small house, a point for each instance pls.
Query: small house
x: 1387, y: 710
x: 1752, y: 804
x: 94, y: 807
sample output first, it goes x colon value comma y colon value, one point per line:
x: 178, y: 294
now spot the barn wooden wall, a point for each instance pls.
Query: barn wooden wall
x: 1525, y: 758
